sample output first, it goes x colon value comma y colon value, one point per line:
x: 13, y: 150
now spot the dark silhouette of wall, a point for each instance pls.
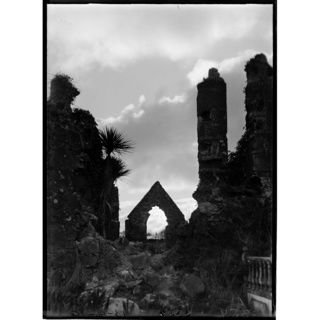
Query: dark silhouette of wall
x: 259, y: 107
x: 212, y: 139
x: 136, y: 224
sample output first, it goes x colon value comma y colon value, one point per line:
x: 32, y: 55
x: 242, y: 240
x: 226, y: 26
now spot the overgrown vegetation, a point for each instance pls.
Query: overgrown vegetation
x: 113, y: 146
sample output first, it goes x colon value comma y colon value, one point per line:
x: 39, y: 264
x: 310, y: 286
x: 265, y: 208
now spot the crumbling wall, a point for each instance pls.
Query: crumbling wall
x: 73, y: 175
x: 114, y: 226
x: 212, y: 141
x: 234, y: 193
x: 136, y: 224
x: 259, y: 118
x: 75, y: 251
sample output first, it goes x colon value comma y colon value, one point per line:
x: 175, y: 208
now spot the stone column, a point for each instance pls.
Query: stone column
x: 114, y: 224
x: 212, y: 139
x: 259, y: 118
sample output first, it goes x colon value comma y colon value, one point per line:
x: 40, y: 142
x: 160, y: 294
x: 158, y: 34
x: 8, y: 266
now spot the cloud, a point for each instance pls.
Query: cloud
x: 200, y: 70
x: 165, y: 136
x: 142, y: 100
x: 129, y: 112
x: 114, y: 36
x: 226, y: 66
x: 174, y: 100
x: 138, y: 114
x: 114, y: 50
x: 157, y: 220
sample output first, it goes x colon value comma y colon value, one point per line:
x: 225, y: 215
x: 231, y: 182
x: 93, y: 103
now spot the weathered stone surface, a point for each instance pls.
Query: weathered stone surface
x: 132, y: 284
x: 136, y: 224
x: 149, y: 300
x: 207, y: 207
x: 259, y: 118
x: 212, y: 137
x: 140, y: 260
x: 89, y: 251
x: 157, y: 261
x: 122, y: 307
x: 126, y: 275
x: 109, y: 287
x: 137, y: 290
x: 151, y: 278
x: 72, y: 181
x: 192, y: 285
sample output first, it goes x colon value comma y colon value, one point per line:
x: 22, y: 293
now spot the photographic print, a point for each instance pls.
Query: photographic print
x: 159, y: 159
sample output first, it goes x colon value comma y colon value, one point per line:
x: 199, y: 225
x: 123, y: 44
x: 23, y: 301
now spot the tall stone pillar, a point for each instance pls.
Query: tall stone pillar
x: 212, y: 140
x: 259, y: 118
x: 114, y: 224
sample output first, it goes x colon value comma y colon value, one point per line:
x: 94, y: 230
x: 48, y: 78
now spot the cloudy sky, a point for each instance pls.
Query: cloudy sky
x: 137, y: 67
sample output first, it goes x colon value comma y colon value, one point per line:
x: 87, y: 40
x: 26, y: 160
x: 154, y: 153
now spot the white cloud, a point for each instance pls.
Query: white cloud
x: 187, y: 206
x: 176, y: 99
x: 157, y: 220
x: 113, y: 36
x: 200, y: 70
x: 129, y: 111
x: 201, y: 67
x: 132, y: 111
x: 138, y: 114
x: 142, y: 100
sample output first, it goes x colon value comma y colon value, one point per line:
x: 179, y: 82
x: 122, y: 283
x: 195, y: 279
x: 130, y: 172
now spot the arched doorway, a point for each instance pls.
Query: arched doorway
x: 136, y: 224
x: 156, y: 224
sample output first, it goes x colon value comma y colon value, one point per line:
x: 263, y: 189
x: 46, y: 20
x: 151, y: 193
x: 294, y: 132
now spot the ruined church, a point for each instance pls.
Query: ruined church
x: 223, y: 180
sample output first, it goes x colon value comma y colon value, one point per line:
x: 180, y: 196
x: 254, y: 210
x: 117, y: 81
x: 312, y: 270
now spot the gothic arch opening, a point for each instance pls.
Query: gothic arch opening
x: 136, y: 224
x: 156, y: 224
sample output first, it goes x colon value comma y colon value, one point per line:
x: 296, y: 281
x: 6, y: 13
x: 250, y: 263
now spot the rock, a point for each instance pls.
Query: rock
x: 205, y: 207
x: 192, y: 285
x: 151, y: 278
x: 122, y: 307
x: 137, y: 290
x: 157, y: 261
x: 148, y: 300
x: 124, y: 241
x: 111, y: 287
x: 126, y: 275
x: 89, y: 251
x: 140, y: 261
x: 132, y: 284
x: 93, y: 283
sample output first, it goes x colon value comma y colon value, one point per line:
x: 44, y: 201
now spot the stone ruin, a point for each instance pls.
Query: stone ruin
x: 212, y: 132
x: 215, y: 193
x: 212, y: 139
x: 259, y: 118
x: 136, y: 224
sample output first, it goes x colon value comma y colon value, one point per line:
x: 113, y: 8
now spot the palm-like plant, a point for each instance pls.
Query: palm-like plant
x: 113, y: 143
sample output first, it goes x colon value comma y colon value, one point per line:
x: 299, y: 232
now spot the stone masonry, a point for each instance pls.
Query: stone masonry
x: 259, y: 107
x: 212, y: 139
x: 136, y: 224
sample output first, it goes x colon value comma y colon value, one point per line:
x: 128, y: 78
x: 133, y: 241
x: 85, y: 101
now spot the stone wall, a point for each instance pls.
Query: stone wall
x: 212, y: 141
x: 74, y: 160
x: 136, y: 224
x: 114, y: 229
x: 259, y: 118
x: 234, y: 212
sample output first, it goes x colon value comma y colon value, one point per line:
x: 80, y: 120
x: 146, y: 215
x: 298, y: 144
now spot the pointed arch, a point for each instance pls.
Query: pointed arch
x: 136, y: 223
